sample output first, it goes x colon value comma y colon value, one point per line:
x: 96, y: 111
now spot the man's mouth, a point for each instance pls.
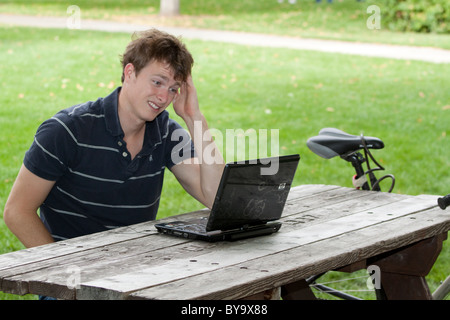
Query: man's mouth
x: 154, y: 106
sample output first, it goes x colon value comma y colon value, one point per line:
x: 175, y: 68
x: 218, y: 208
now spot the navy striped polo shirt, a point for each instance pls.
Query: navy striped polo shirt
x: 98, y: 186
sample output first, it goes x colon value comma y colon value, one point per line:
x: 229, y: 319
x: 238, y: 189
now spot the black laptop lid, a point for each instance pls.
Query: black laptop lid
x: 252, y: 192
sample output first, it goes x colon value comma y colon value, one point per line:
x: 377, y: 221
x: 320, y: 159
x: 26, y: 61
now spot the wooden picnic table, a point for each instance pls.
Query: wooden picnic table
x: 324, y: 228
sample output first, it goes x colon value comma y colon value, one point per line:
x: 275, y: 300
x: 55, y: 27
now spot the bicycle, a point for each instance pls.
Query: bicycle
x: 332, y: 142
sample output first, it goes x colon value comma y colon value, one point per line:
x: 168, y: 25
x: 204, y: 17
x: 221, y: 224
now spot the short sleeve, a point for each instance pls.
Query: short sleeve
x: 51, y: 150
x: 179, y: 145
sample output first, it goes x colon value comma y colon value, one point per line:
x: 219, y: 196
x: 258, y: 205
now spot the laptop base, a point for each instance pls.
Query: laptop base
x: 192, y: 231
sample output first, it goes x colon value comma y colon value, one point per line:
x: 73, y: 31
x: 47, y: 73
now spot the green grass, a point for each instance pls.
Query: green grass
x: 341, y: 20
x: 404, y: 103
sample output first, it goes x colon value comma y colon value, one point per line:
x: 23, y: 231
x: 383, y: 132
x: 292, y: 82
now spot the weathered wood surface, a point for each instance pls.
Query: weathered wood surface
x: 324, y: 228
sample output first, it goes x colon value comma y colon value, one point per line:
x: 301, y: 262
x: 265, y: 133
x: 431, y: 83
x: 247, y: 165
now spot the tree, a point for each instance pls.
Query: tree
x: 169, y: 7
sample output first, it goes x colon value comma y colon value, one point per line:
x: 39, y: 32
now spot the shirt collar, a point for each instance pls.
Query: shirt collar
x: 110, y: 107
x: 153, y: 128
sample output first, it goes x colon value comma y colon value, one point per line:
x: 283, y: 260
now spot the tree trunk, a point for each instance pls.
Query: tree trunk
x: 169, y: 7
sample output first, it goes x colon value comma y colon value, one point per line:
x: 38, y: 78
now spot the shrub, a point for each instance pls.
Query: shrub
x: 418, y: 15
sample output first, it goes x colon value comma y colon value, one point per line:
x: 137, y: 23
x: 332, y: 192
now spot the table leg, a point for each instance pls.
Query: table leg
x: 403, y: 271
x: 299, y: 290
x: 271, y: 294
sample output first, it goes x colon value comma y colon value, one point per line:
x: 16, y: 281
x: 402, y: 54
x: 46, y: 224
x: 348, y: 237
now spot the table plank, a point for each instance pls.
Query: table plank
x: 91, y: 247
x: 60, y: 269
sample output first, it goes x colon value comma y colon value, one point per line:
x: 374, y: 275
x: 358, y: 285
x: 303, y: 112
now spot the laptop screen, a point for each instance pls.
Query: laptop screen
x: 247, y: 195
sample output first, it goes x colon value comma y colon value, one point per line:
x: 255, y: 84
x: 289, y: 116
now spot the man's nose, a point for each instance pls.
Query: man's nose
x: 163, y: 95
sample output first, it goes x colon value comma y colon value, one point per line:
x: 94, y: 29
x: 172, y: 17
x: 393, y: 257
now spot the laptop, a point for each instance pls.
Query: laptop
x: 250, y: 198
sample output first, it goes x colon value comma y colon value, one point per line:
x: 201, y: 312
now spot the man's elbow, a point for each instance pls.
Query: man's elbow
x: 9, y: 216
x: 12, y: 216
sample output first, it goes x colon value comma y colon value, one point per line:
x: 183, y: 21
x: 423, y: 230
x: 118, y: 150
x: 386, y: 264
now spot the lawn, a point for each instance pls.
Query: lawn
x: 405, y: 103
x: 341, y: 20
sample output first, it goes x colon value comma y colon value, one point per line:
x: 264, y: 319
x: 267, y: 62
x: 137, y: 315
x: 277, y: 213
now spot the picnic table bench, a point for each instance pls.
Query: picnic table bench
x: 324, y: 228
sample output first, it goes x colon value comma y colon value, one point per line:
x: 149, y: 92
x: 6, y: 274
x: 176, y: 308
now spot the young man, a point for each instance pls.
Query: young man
x: 100, y: 165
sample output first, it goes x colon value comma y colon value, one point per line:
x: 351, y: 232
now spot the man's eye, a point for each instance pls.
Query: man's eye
x: 156, y: 82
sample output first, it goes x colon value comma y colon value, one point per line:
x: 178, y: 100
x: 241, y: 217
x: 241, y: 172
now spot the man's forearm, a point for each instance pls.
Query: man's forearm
x: 210, y: 159
x: 202, y: 178
x: 20, y: 214
x: 28, y: 228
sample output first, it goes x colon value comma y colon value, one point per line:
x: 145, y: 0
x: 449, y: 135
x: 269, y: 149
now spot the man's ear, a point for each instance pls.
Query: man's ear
x: 128, y: 72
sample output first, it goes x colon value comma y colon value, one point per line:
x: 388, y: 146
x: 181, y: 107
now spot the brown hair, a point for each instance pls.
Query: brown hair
x: 154, y: 44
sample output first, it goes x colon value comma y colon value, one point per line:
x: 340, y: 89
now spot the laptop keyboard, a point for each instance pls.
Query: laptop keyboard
x: 198, y: 226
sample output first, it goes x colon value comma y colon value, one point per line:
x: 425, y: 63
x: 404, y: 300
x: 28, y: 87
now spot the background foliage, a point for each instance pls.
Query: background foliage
x: 418, y: 15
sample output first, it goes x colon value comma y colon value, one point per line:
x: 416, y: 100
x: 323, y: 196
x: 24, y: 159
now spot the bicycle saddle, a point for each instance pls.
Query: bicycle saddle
x: 332, y: 142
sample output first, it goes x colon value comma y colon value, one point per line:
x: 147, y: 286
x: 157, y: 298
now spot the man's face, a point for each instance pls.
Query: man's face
x: 151, y: 91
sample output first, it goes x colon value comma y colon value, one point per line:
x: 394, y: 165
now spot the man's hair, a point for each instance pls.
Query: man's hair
x: 156, y: 45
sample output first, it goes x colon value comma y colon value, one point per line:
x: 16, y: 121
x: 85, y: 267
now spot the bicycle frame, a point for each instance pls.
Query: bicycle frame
x: 360, y: 180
